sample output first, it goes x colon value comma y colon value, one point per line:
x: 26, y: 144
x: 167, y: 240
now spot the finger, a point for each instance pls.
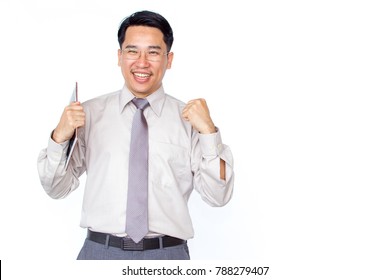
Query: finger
x: 76, y: 108
x: 186, y: 108
x: 79, y: 117
x: 184, y: 114
x: 75, y: 123
x: 69, y: 111
x: 72, y: 115
x: 79, y: 123
x: 75, y: 105
x: 197, y: 100
x: 187, y: 112
x: 77, y: 113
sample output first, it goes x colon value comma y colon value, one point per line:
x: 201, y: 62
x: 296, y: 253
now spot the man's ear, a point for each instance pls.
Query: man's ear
x: 119, y: 57
x: 170, y: 59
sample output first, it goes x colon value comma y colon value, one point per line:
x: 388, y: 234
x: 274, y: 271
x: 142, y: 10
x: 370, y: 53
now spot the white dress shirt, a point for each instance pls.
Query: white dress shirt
x: 180, y: 159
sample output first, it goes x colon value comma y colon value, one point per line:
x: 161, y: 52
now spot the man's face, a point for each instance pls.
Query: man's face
x: 144, y: 74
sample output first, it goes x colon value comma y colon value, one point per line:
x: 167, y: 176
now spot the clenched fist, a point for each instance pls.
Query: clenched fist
x: 197, y: 113
x: 72, y: 118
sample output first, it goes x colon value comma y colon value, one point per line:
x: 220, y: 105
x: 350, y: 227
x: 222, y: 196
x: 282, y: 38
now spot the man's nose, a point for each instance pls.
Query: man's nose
x: 142, y: 59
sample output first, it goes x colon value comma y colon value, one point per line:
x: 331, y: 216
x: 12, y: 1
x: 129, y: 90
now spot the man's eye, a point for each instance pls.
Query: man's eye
x: 154, y: 53
x: 130, y: 51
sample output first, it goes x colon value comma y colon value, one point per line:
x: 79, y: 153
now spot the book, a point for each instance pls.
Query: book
x: 73, y: 140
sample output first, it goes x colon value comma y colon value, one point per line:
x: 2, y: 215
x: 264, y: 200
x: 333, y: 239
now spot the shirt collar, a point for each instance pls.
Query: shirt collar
x: 156, y: 99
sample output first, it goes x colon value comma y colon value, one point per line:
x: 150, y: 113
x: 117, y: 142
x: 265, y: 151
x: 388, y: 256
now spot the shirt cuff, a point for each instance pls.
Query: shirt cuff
x: 56, y: 150
x: 211, y: 144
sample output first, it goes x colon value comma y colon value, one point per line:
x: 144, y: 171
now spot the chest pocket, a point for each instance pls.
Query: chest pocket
x: 169, y: 164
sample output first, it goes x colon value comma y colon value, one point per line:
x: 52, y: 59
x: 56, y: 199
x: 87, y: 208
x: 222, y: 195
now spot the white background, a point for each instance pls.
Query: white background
x: 299, y: 89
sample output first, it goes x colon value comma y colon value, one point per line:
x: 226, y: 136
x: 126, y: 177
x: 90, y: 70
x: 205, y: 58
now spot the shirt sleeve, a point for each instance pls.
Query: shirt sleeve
x: 58, y: 181
x: 207, y: 152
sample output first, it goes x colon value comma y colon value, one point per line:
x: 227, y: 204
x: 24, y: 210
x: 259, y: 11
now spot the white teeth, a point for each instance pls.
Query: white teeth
x: 141, y: 75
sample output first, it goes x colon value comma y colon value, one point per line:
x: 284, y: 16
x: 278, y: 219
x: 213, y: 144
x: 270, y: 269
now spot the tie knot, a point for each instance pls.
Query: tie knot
x: 140, y: 103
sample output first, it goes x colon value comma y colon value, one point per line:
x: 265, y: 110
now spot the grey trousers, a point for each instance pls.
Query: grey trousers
x: 95, y: 251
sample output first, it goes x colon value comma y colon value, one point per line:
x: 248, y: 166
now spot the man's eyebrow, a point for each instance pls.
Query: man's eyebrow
x: 136, y: 47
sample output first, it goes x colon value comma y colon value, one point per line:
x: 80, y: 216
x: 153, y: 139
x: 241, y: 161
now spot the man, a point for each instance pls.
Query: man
x: 135, y: 200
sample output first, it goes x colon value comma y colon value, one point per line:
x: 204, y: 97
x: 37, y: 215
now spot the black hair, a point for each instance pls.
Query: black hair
x: 150, y: 19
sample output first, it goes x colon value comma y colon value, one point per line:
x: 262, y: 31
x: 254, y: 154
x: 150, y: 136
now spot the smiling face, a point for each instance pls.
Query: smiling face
x: 142, y: 76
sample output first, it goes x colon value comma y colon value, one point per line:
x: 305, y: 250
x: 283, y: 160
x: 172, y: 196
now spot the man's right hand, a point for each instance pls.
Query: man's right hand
x: 72, y: 118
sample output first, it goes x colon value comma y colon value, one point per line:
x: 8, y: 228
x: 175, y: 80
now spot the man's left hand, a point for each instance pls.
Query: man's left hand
x: 197, y: 113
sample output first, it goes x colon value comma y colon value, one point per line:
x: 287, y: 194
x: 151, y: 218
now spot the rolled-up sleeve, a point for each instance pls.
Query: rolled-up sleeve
x: 207, y: 153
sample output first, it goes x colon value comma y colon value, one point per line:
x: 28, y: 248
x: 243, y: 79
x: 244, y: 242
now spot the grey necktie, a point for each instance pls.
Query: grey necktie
x: 137, y: 196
